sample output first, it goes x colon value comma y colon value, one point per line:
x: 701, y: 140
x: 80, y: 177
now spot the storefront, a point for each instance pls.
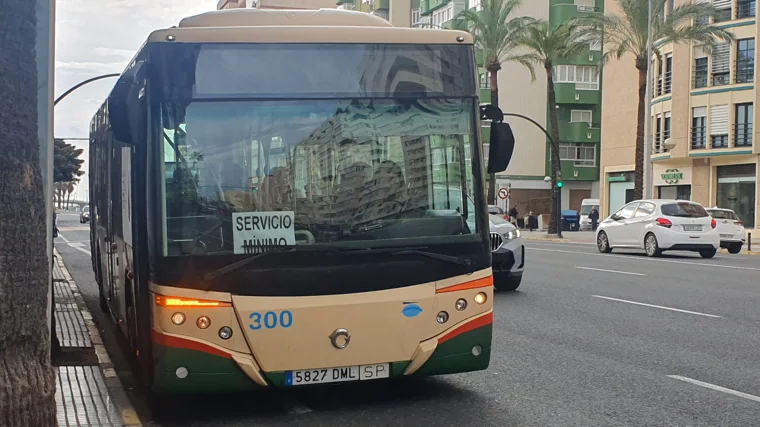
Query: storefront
x: 736, y: 191
x: 671, y: 182
x: 620, y: 190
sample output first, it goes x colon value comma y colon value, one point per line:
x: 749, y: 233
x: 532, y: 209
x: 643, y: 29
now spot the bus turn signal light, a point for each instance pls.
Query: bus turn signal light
x: 165, y: 301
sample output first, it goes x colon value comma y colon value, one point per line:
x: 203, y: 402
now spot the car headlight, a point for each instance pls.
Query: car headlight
x: 512, y: 234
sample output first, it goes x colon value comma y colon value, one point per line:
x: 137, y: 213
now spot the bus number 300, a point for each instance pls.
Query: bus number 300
x: 270, y: 320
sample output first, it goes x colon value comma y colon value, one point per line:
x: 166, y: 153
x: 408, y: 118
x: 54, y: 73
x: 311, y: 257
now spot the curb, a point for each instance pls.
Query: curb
x: 116, y: 390
x: 541, y: 238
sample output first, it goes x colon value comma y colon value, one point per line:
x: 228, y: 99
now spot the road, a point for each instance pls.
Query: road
x: 588, y: 340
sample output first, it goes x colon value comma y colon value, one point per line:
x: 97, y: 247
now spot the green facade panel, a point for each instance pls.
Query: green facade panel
x: 567, y: 94
x: 485, y: 95
x: 382, y: 4
x: 579, y: 132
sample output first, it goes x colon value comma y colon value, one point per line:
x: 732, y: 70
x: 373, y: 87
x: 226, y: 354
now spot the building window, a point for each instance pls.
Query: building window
x: 719, y: 126
x: 586, y: 5
x: 721, y: 69
x: 476, y: 4
x: 700, y: 73
x: 585, y: 78
x: 724, y: 10
x: 745, y: 9
x: 581, y: 116
x: 415, y: 16
x: 745, y: 61
x: 743, y: 125
x: 582, y: 155
x: 699, y: 128
x: 665, y: 131
x: 443, y: 15
x: 667, y: 79
x: 657, y: 143
x: 485, y: 80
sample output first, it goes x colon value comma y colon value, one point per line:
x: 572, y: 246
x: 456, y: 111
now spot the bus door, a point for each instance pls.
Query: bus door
x: 116, y: 249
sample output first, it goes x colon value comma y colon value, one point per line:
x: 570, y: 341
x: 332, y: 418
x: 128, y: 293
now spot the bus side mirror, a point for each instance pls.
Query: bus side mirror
x: 127, y: 110
x: 502, y: 145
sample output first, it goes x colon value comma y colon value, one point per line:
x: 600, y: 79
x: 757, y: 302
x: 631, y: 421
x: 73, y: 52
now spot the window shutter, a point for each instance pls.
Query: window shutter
x: 700, y: 111
x: 719, y: 120
x: 721, y: 55
x: 720, y: 4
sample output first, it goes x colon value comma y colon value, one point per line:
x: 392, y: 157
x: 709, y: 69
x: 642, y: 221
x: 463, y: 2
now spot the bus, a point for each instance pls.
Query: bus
x: 263, y: 205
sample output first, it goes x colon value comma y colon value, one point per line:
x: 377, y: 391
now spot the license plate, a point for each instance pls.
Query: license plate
x: 726, y: 236
x: 692, y: 228
x: 335, y: 375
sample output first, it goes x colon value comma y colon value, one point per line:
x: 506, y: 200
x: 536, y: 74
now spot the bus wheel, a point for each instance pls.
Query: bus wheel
x: 99, y: 280
x: 102, y: 299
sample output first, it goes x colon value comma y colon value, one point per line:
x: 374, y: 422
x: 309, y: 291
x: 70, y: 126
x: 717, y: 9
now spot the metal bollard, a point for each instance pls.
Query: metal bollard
x: 749, y: 242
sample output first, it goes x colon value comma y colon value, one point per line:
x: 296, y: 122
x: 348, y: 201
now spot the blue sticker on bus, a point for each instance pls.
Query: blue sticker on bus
x: 411, y: 309
x: 270, y: 320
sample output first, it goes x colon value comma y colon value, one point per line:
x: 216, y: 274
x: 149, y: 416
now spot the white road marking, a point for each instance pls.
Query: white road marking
x: 656, y: 306
x: 716, y: 388
x: 80, y: 246
x: 80, y: 249
x: 63, y: 237
x: 612, y: 271
x: 640, y: 258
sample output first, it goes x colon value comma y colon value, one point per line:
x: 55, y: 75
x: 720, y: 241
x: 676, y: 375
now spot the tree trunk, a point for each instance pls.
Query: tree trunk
x: 553, y: 145
x: 27, y: 381
x: 493, y: 71
x: 638, y: 177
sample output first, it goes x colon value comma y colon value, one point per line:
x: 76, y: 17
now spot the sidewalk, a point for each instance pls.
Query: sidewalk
x: 589, y: 237
x: 88, y: 392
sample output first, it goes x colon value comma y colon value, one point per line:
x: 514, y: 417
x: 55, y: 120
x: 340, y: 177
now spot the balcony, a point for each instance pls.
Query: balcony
x: 746, y: 9
x: 743, y: 135
x: 578, y: 170
x: 744, y: 70
x: 579, y: 132
x: 664, y: 85
x: 698, y: 137
x: 566, y: 93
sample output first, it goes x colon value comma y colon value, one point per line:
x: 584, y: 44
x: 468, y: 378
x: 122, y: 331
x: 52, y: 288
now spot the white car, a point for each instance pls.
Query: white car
x: 730, y: 229
x: 660, y: 225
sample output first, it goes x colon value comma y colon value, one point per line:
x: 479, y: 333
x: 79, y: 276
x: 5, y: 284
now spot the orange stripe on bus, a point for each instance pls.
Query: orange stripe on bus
x: 176, y: 342
x: 467, y: 327
x: 480, y: 283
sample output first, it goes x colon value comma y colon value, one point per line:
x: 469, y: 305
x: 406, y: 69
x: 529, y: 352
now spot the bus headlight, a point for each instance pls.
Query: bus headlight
x: 225, y: 332
x: 203, y: 322
x: 442, y: 317
x: 178, y: 318
x: 480, y: 298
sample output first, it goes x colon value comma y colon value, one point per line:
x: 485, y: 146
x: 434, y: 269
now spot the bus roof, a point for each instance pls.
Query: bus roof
x: 280, y: 18
x: 299, y: 26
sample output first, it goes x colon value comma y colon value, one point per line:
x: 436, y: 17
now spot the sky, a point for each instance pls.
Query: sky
x: 100, y: 37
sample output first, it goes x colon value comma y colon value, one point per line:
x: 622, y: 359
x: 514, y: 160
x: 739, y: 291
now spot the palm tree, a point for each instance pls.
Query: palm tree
x: 544, y: 45
x: 626, y: 34
x: 496, y: 35
x: 27, y: 380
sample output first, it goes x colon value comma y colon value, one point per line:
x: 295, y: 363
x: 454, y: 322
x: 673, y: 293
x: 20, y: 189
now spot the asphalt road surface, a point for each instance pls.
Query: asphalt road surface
x: 588, y: 340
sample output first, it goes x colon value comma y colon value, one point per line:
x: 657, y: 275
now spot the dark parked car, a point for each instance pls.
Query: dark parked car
x: 85, y: 215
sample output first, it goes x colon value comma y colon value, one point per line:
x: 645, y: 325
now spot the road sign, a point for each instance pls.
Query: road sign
x: 503, y: 193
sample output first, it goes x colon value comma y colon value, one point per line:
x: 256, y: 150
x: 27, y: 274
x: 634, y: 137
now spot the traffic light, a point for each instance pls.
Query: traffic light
x: 559, y: 184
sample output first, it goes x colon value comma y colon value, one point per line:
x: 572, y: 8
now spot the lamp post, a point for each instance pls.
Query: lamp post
x: 647, y: 167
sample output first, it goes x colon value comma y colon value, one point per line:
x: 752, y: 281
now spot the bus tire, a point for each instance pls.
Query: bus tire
x: 102, y: 300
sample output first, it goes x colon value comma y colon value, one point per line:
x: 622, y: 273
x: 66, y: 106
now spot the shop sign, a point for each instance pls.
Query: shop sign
x: 672, y: 176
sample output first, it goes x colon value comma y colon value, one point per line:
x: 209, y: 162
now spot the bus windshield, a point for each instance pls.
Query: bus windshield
x: 348, y: 145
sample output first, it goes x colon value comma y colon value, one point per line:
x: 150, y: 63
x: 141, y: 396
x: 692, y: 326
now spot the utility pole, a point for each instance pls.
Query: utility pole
x: 647, y: 170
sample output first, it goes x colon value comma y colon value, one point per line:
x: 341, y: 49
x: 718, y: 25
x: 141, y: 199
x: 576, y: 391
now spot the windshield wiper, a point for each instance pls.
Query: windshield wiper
x: 440, y: 257
x: 227, y: 269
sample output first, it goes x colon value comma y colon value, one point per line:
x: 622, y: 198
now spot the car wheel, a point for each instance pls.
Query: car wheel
x: 651, y: 246
x: 734, y: 248
x: 603, y: 243
x: 506, y: 282
x: 708, y: 253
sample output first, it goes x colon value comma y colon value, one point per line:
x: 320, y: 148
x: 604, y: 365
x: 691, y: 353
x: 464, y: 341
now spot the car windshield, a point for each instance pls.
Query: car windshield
x: 585, y: 209
x: 272, y: 173
x: 86, y: 209
x: 495, y: 210
x: 721, y: 214
x: 687, y: 210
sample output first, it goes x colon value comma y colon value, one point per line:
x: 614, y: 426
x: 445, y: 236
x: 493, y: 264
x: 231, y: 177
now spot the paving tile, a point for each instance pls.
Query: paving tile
x: 82, y: 399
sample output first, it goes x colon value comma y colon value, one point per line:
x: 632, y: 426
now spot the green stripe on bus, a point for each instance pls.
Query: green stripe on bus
x: 456, y: 355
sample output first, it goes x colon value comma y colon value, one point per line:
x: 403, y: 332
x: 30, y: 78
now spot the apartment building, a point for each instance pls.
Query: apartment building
x: 702, y: 112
